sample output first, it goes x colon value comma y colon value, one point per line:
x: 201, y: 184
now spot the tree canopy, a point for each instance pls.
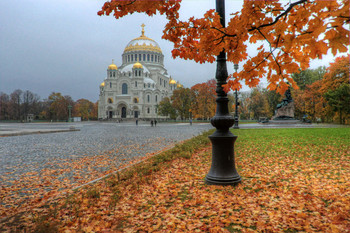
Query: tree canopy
x: 287, y: 35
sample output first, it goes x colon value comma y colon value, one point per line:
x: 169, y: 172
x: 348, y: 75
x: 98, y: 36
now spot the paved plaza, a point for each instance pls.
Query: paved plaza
x: 38, y: 163
x: 33, y: 152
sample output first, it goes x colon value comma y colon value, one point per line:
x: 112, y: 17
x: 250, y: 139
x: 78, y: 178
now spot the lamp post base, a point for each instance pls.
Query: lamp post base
x: 223, y: 171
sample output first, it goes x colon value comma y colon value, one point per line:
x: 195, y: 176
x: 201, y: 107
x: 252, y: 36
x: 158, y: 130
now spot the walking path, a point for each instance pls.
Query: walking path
x: 18, y: 129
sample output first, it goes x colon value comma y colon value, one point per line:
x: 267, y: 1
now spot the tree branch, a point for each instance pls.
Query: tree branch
x: 280, y: 16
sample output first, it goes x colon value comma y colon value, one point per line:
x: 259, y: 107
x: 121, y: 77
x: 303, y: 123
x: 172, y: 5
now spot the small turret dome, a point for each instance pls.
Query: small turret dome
x: 138, y: 65
x: 179, y: 85
x: 102, y: 84
x: 172, y: 81
x: 112, y: 66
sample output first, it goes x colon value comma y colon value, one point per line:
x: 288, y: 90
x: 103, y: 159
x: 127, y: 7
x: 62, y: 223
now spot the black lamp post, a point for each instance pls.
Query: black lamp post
x: 235, y: 66
x: 69, y: 113
x: 223, y: 170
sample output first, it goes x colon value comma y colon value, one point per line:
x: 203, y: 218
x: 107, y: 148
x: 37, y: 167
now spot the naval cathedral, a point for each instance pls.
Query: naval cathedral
x: 135, y: 88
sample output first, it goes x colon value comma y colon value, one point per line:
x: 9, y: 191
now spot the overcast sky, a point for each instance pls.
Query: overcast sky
x: 64, y: 46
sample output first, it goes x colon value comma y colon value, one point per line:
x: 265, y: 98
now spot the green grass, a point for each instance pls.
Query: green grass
x: 292, y: 141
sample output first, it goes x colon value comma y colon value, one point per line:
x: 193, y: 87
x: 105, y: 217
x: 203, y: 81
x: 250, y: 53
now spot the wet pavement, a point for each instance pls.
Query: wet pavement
x: 34, y: 164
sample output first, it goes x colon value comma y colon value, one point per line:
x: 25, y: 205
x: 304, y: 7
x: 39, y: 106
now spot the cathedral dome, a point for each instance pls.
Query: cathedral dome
x: 142, y: 43
x: 102, y: 84
x: 137, y: 65
x: 112, y: 66
x: 172, y: 81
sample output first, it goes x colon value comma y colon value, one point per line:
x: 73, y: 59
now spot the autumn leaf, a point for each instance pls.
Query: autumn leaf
x: 288, y: 35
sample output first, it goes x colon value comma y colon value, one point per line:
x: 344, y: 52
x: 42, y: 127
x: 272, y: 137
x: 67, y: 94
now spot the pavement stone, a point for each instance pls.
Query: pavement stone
x: 69, y: 158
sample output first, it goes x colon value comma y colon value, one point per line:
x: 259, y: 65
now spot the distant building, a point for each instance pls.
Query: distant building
x: 135, y: 88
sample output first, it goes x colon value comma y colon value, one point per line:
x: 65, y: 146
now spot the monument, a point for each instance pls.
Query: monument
x: 285, y: 109
x: 284, y: 113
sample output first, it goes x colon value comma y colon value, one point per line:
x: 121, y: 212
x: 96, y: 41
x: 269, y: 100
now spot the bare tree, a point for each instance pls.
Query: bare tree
x: 15, y: 104
x: 4, y: 106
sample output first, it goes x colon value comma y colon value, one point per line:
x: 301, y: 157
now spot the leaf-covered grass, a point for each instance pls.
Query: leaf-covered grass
x: 292, y: 180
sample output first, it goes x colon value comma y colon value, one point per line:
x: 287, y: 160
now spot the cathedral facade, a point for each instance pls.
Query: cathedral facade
x: 134, y: 89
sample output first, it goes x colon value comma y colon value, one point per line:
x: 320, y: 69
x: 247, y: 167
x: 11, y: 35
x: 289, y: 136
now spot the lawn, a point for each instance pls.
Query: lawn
x: 292, y: 180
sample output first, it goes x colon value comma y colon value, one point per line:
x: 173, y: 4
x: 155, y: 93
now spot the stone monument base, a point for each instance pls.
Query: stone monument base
x: 280, y: 122
x: 285, y: 112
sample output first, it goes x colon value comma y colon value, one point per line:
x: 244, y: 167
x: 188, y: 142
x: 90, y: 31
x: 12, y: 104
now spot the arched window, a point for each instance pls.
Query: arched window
x: 152, y: 57
x: 148, y: 98
x: 147, y: 110
x: 128, y: 58
x: 135, y: 72
x: 110, y: 84
x: 156, y: 99
x: 147, y: 57
x: 149, y: 85
x: 139, y: 72
x: 139, y: 57
x: 113, y: 74
x: 144, y: 57
x: 110, y: 74
x: 124, y: 89
x: 135, y: 57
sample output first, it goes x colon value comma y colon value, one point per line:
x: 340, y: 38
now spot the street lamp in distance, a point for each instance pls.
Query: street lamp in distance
x: 235, y: 66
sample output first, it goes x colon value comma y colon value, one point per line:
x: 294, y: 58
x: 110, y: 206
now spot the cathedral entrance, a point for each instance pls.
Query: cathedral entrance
x: 110, y: 114
x: 123, y: 112
x: 136, y: 114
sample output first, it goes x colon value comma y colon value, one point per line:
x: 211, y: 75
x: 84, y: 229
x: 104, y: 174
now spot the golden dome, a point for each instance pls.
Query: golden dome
x: 137, y: 65
x: 102, y: 84
x: 142, y: 43
x: 172, y: 81
x: 179, y: 85
x: 112, y: 66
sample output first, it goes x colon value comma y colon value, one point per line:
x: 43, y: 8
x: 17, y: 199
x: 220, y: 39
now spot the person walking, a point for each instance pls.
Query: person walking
x: 155, y: 122
x: 137, y: 122
x: 151, y: 123
x: 190, y: 121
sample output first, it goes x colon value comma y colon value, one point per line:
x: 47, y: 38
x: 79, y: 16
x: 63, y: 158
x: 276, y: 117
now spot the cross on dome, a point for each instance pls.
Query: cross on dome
x: 143, y: 29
